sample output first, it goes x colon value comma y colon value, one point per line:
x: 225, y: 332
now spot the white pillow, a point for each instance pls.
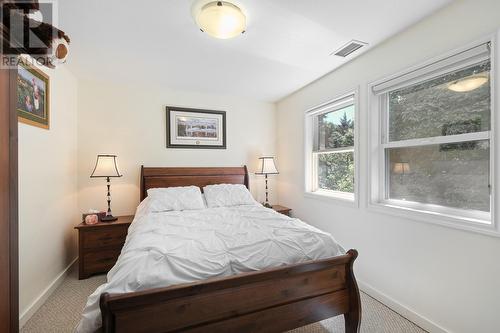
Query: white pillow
x: 175, y: 198
x: 226, y: 195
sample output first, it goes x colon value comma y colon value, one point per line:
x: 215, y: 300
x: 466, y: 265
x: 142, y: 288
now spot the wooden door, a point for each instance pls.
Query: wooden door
x: 9, y: 304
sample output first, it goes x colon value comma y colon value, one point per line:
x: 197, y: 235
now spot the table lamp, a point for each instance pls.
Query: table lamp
x: 267, y: 167
x: 106, y: 167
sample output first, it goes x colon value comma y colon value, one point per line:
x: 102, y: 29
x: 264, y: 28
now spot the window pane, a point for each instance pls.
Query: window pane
x: 336, y: 171
x: 452, y: 175
x: 455, y: 103
x: 336, y: 129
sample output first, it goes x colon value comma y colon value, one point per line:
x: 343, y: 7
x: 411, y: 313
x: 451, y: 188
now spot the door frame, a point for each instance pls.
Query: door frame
x: 9, y: 252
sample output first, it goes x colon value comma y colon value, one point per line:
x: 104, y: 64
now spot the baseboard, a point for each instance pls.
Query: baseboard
x: 42, y: 298
x: 404, y: 311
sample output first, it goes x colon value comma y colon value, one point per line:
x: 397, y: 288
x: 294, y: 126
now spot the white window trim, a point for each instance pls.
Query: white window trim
x: 474, y: 221
x: 351, y: 199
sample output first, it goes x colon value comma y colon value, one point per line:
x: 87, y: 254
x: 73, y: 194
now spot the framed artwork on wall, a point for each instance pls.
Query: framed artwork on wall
x: 195, y: 128
x: 33, y: 93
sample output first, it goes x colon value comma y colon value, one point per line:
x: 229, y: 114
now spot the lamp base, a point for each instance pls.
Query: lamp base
x: 267, y: 205
x: 109, y: 218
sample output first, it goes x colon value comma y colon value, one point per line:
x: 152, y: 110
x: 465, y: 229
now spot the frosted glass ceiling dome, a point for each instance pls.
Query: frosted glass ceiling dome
x: 221, y: 19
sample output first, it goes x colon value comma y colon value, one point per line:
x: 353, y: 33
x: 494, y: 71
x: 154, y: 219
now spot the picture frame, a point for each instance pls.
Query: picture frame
x: 33, y: 96
x: 195, y: 128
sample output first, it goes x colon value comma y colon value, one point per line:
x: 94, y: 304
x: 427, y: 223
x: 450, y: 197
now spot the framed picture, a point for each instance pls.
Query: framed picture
x: 195, y: 129
x: 33, y: 91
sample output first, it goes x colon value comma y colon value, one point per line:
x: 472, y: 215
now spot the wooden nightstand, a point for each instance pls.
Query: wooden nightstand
x: 99, y: 245
x: 282, y: 209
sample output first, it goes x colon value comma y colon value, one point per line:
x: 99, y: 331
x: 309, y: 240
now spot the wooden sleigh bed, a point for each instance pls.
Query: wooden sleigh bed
x: 271, y: 300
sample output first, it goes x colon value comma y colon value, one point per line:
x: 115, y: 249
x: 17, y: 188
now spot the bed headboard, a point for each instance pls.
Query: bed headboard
x: 172, y: 177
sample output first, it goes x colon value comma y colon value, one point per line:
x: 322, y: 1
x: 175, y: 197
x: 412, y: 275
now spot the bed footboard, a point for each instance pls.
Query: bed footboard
x: 273, y: 300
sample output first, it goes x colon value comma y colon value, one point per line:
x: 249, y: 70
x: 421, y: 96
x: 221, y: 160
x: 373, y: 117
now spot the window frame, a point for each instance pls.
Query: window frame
x: 378, y: 142
x: 351, y: 97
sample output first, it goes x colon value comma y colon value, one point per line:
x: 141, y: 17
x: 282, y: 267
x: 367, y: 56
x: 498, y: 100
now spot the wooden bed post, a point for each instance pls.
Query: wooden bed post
x: 106, y: 315
x: 142, y: 194
x: 353, y: 317
x: 246, y: 181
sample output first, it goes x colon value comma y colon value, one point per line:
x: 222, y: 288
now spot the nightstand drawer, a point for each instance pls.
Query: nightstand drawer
x: 100, y: 261
x: 105, y: 237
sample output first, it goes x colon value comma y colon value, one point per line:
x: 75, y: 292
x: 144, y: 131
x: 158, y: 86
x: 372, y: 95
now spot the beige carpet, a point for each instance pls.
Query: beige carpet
x: 61, y: 312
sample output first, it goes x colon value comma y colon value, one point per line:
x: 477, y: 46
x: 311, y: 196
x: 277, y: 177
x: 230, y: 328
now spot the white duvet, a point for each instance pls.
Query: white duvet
x: 168, y: 248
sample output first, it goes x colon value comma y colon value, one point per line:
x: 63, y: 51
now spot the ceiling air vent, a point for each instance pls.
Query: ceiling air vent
x: 349, y: 48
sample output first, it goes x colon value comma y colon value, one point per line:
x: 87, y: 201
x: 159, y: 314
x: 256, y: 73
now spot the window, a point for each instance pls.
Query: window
x: 330, y: 133
x: 431, y: 138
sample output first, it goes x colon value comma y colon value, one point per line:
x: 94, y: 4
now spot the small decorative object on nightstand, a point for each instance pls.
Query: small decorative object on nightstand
x: 267, y: 167
x: 106, y: 167
x: 282, y: 209
x: 99, y: 245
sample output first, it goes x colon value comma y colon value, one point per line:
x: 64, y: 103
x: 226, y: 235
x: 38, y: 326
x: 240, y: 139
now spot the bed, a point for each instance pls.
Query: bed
x: 273, y: 299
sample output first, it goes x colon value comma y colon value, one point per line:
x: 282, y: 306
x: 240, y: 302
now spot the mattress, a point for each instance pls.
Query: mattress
x: 168, y: 248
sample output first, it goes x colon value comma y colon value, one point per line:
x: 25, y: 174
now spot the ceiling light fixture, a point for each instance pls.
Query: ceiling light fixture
x: 468, y: 84
x: 221, y: 19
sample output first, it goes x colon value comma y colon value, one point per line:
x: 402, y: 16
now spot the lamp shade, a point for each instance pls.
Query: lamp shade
x: 401, y: 168
x: 267, y: 166
x: 105, y: 166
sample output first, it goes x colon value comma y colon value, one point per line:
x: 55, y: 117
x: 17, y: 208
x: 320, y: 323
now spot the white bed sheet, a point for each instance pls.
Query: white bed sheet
x: 168, y: 248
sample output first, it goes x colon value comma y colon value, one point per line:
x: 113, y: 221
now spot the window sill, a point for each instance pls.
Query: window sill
x: 477, y: 225
x: 332, y: 196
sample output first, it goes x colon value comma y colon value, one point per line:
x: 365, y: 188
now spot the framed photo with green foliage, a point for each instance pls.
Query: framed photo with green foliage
x: 33, y: 93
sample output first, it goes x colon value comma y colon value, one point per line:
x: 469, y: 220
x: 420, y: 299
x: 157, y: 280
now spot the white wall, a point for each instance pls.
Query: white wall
x: 48, y: 194
x: 448, y: 276
x: 130, y: 121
